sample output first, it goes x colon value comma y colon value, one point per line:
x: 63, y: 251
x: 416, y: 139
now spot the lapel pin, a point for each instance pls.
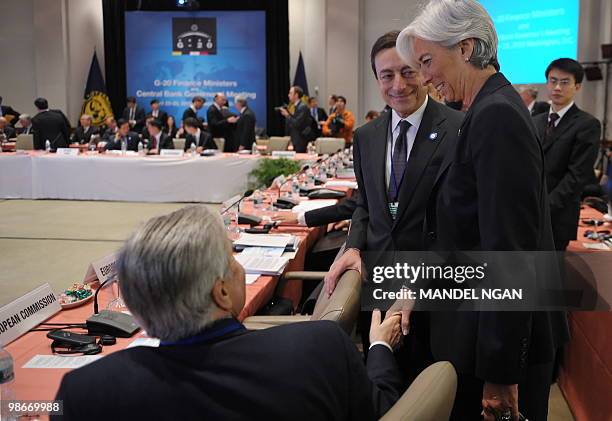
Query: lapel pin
x: 433, y: 136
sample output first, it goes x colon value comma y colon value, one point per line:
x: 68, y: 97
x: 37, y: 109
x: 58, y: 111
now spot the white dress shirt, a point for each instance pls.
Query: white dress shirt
x: 561, y: 112
x: 415, y: 120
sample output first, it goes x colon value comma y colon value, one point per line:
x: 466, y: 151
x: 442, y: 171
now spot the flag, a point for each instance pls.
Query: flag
x: 300, y: 75
x: 96, y: 102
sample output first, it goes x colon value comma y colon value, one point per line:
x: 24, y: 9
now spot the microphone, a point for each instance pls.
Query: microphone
x: 98, y: 290
x: 237, y: 202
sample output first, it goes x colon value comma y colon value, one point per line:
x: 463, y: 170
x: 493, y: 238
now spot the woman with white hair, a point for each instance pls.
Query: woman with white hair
x: 490, y: 195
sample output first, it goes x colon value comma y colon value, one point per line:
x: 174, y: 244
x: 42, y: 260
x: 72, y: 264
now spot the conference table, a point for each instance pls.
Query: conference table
x: 132, y: 178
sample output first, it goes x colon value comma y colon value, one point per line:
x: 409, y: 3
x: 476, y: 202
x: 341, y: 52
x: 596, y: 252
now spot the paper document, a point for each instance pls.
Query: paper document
x: 341, y: 183
x: 264, y: 251
x: 264, y: 240
x: 56, y: 361
x: 262, y: 265
x: 251, y: 278
x: 152, y: 342
x: 309, y: 205
x: 596, y: 246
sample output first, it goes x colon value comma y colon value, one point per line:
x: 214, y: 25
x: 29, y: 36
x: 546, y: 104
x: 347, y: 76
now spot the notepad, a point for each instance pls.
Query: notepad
x: 250, y: 278
x: 309, y: 205
x: 341, y: 183
x: 262, y: 265
x: 55, y: 361
x: 264, y: 251
x: 264, y: 240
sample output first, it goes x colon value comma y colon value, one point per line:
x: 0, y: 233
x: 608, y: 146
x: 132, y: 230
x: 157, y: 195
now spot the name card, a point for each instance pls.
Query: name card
x: 68, y: 151
x: 26, y: 312
x: 102, y: 269
x: 283, y: 154
x: 171, y: 152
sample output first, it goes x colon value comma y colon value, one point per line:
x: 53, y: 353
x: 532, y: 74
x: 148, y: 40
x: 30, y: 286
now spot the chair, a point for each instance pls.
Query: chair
x: 430, y: 397
x: 24, y: 142
x: 329, y: 145
x: 220, y: 142
x: 342, y: 306
x: 179, y: 143
x: 278, y: 143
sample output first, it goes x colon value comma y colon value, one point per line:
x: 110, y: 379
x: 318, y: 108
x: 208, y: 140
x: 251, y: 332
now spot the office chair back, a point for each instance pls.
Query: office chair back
x: 220, y: 142
x: 278, y: 143
x: 329, y: 145
x: 344, y: 303
x: 178, y: 143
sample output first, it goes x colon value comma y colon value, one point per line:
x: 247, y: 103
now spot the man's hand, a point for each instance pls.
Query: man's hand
x: 285, y: 218
x: 389, y: 331
x: 341, y: 225
x: 350, y: 260
x: 232, y: 119
x: 498, y: 399
x: 284, y: 112
x: 404, y: 308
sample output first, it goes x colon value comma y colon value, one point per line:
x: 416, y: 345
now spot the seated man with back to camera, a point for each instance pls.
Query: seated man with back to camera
x: 189, y: 294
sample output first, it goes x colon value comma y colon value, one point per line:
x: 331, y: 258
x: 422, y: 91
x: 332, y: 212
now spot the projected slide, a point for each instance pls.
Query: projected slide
x: 174, y: 56
x: 532, y: 33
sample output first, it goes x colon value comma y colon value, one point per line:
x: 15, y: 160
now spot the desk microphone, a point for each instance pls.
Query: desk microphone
x: 237, y: 202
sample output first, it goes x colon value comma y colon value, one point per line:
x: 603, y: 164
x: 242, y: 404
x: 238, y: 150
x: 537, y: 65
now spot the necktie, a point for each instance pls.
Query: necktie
x: 552, y: 118
x: 131, y: 113
x: 398, y: 161
x: 154, y: 146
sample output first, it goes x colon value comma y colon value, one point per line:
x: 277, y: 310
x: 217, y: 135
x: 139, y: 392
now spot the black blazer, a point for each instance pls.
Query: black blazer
x: 245, y: 129
x: 189, y: 113
x: 50, y: 125
x: 490, y: 194
x: 570, y: 154
x: 162, y: 117
x: 172, y: 133
x: 205, y: 141
x: 220, y: 127
x: 132, y: 143
x: 165, y: 142
x: 9, y: 132
x: 372, y: 227
x: 139, y: 117
x: 540, y: 107
x: 295, y: 125
x: 321, y: 116
x: 334, y: 213
x: 80, y: 136
x: 109, y: 134
x: 303, y: 371
x: 24, y: 130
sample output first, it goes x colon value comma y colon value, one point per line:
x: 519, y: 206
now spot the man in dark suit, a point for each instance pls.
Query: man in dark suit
x: 9, y: 113
x: 318, y: 115
x: 158, y: 113
x: 111, y: 129
x: 134, y: 114
x: 85, y: 131
x: 157, y: 140
x: 396, y: 158
x: 245, y: 127
x: 529, y: 95
x: 50, y: 125
x: 208, y: 366
x: 123, y: 135
x: 6, y: 129
x: 341, y: 211
x: 196, y: 136
x: 25, y: 123
x: 222, y: 124
x: 197, y: 103
x: 570, y: 139
x: 297, y: 124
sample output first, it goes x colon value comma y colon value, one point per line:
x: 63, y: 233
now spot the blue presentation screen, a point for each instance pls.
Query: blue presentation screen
x: 532, y: 33
x: 174, y: 56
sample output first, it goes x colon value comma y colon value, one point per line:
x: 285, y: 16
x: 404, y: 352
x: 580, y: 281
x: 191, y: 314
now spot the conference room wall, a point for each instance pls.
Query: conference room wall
x: 48, y: 45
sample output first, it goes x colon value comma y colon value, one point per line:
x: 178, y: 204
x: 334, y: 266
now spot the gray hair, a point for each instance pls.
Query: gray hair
x: 241, y: 99
x: 167, y: 269
x: 532, y: 91
x: 448, y: 22
x: 25, y: 117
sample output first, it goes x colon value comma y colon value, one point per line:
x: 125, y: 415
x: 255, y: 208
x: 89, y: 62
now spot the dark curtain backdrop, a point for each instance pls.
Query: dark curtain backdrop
x: 277, y: 51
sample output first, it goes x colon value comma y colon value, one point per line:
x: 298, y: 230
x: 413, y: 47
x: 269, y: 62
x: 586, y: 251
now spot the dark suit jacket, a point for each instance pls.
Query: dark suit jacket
x: 372, y: 228
x: 490, y: 195
x: 23, y: 130
x: 9, y: 132
x: 165, y: 142
x: 162, y: 116
x: 50, y: 125
x: 132, y: 143
x: 570, y: 154
x: 139, y: 116
x: 334, y: 213
x: 540, y: 107
x: 80, y: 136
x: 321, y: 116
x: 109, y: 134
x: 189, y: 113
x: 172, y: 133
x: 245, y: 129
x: 220, y: 127
x: 8, y: 110
x: 295, y: 125
x: 303, y: 371
x: 206, y: 141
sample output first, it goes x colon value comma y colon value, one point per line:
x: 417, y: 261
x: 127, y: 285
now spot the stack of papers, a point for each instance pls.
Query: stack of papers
x: 265, y: 240
x: 262, y: 265
x: 341, y: 183
x: 308, y: 205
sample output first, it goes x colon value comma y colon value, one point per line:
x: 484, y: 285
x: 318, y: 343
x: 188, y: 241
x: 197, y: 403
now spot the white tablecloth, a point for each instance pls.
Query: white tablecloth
x: 124, y: 178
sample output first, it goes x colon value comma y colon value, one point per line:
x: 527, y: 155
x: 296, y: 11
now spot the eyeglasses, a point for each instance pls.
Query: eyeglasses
x: 564, y: 83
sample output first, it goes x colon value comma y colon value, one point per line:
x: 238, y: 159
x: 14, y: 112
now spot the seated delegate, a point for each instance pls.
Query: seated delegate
x: 181, y: 282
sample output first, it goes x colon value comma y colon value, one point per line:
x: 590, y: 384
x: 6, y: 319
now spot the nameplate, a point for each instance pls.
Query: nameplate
x: 26, y: 312
x: 102, y: 269
x: 67, y: 151
x: 171, y: 152
x: 283, y: 154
